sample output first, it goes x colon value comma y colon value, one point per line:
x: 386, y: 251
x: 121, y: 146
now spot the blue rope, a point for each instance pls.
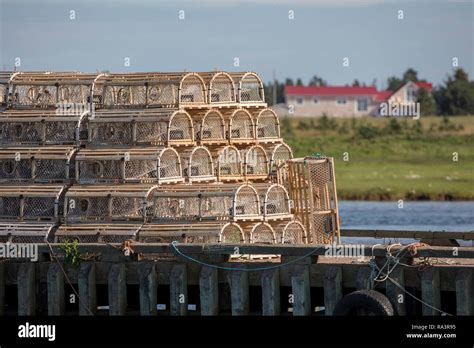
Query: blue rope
x: 173, y: 244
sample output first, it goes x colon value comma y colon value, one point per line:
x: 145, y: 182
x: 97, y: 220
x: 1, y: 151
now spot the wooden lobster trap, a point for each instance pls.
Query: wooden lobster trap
x: 163, y: 127
x: 36, y: 164
x: 209, y: 126
x: 96, y: 233
x: 51, y: 90
x: 4, y: 88
x: 31, y: 202
x: 220, y: 88
x: 39, y: 127
x: 259, y: 232
x: 26, y: 232
x: 249, y: 86
x: 235, y: 202
x: 278, y: 154
x: 108, y: 202
x: 241, y: 128
x: 267, y: 126
x: 148, y: 90
x: 148, y: 164
x: 290, y: 232
x: 276, y: 203
x: 228, y: 163
x: 312, y: 185
x: 198, y: 165
x: 191, y: 232
x: 256, y: 166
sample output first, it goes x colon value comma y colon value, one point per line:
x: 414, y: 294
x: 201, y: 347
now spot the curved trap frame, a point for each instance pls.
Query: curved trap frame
x: 163, y: 127
x: 276, y: 203
x: 154, y: 165
x: 31, y: 202
x: 279, y: 155
x: 267, y: 126
x: 198, y: 165
x: 26, y: 232
x: 108, y: 202
x: 39, y: 127
x: 228, y: 163
x: 220, y: 88
x: 290, y: 232
x: 250, y: 90
x: 260, y: 233
x: 36, y: 164
x: 96, y: 233
x: 4, y: 88
x: 241, y: 129
x: 210, y: 127
x: 50, y: 89
x: 255, y: 163
x: 217, y: 201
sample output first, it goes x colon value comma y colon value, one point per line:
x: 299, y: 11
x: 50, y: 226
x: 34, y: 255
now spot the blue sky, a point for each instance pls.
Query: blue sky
x: 151, y: 34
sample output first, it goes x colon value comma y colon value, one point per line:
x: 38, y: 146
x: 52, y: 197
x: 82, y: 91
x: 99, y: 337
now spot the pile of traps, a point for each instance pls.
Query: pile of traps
x: 154, y: 157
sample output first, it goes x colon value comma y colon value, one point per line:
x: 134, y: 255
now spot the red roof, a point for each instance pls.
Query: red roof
x: 330, y: 90
x: 425, y: 85
x: 383, y: 95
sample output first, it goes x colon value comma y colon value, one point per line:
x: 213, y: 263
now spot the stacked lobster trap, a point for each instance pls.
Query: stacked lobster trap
x: 154, y: 157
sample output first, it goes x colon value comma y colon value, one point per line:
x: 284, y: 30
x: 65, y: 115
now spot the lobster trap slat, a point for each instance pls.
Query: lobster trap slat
x: 96, y: 233
x: 26, y: 232
x: 228, y: 163
x: 313, y: 189
x: 198, y: 165
x: 267, y: 126
x: 39, y: 127
x: 164, y: 127
x: 209, y: 126
x: 241, y: 127
x: 31, y: 202
x: 249, y: 86
x: 37, y: 164
x: 256, y: 166
x: 108, y: 202
x: 151, y: 164
x: 236, y: 202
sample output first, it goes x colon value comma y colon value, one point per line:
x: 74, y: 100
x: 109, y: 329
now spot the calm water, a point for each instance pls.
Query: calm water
x: 419, y: 216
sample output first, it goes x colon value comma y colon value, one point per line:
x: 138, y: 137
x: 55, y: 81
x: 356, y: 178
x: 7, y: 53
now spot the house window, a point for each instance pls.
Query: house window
x: 315, y: 100
x: 362, y: 105
x: 299, y: 101
x: 411, y: 94
x: 341, y: 101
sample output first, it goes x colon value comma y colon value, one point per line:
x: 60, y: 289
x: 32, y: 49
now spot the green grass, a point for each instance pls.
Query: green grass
x: 392, y: 159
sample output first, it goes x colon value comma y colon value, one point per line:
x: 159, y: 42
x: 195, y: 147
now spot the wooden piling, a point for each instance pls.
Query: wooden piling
x: 430, y: 291
x: 2, y: 288
x: 332, y: 283
x: 55, y: 280
x: 178, y: 290
x: 148, y: 290
x: 464, y: 292
x: 87, y: 289
x: 26, y: 289
x: 209, y: 291
x: 271, y: 292
x: 239, y: 291
x: 117, y: 290
x: 364, y: 281
x: 396, y: 295
x: 301, y: 290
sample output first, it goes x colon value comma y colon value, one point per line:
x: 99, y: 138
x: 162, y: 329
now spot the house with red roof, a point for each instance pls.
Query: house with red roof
x: 347, y: 101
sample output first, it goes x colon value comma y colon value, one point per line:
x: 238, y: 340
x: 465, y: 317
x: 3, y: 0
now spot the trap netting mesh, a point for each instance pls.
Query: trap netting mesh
x: 262, y: 233
x: 50, y: 169
x: 87, y: 208
x: 163, y: 94
x: 39, y: 207
x: 198, y: 163
x: 268, y: 125
x: 222, y: 89
x: 192, y: 90
x: 110, y: 132
x: 212, y: 127
x: 241, y: 126
x: 141, y: 169
x: 180, y: 127
x: 229, y: 162
x: 251, y: 89
x: 49, y: 95
x: 232, y: 234
x: 169, y: 165
x: 100, y: 170
x: 256, y: 162
x: 10, y: 207
x: 15, y: 170
x: 59, y: 132
x: 293, y: 233
x: 277, y: 201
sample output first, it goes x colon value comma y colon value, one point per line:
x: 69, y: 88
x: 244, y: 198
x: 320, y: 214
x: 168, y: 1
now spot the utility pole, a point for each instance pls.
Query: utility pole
x: 274, y: 99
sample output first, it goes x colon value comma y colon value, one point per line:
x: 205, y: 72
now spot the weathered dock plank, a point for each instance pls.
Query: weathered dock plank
x: 55, y: 280
x: 464, y: 292
x: 333, y: 290
x: 239, y: 291
x: 209, y: 291
x: 430, y: 292
x: 148, y: 289
x: 87, y: 289
x: 178, y: 290
x: 26, y: 289
x: 117, y: 290
x: 271, y: 292
x: 301, y: 290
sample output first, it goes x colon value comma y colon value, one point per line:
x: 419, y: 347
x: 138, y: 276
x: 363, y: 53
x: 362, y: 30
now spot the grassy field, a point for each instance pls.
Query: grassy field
x: 392, y: 158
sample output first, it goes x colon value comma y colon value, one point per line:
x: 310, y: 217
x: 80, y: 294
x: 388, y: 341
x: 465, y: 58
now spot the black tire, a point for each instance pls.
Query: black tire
x: 364, y: 302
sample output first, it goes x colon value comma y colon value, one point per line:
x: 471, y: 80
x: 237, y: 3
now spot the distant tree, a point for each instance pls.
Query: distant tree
x: 410, y: 75
x: 299, y: 82
x: 317, y: 81
x: 456, y: 97
x: 289, y: 82
x: 393, y: 83
x: 356, y: 83
x: 427, y: 103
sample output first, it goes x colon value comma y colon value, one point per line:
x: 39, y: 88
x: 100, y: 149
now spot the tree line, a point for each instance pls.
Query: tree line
x: 455, y: 96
